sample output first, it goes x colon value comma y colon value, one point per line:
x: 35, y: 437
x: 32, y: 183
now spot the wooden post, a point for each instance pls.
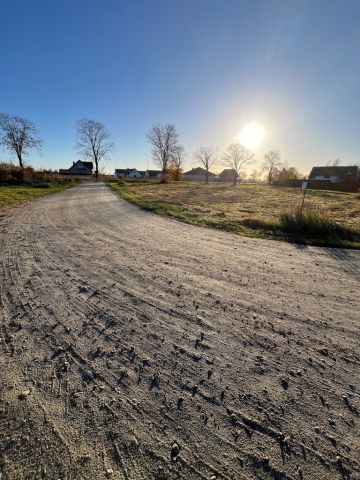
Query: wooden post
x: 303, y: 188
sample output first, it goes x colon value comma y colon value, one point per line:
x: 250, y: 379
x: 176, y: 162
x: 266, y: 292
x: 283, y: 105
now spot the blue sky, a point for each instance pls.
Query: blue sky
x: 209, y: 66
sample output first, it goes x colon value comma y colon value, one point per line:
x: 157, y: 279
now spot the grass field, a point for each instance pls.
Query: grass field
x: 10, y: 195
x: 253, y: 210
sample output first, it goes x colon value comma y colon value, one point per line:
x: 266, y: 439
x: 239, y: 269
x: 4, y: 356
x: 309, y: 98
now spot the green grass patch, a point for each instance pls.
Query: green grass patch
x: 11, y: 195
x: 251, y: 210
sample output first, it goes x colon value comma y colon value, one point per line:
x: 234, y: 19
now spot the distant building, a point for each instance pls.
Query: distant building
x: 334, y: 174
x: 197, y: 174
x: 127, y: 173
x: 134, y: 173
x: 78, y: 168
x: 227, y: 175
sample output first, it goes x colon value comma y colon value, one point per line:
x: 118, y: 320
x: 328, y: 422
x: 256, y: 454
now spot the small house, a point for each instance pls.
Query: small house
x: 197, y: 174
x: 128, y: 173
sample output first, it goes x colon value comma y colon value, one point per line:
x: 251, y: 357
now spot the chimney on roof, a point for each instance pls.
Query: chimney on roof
x: 73, y: 163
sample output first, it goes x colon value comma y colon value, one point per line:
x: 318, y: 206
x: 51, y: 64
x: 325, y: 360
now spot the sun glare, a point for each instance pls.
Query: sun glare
x: 252, y: 135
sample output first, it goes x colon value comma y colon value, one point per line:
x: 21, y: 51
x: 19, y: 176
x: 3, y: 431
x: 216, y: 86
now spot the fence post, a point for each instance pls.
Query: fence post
x: 303, y: 188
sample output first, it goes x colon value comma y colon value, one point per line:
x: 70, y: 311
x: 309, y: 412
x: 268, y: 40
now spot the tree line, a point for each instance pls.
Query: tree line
x: 93, y: 142
x: 169, y: 154
x: 19, y: 136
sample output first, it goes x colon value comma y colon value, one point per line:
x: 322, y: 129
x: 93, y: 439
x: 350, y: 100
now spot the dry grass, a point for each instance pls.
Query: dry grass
x: 254, y: 210
x: 262, y: 202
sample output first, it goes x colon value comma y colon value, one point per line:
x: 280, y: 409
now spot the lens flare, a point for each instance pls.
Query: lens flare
x: 252, y: 135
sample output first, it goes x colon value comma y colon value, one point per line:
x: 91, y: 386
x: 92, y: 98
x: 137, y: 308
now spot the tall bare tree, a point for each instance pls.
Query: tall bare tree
x: 237, y: 157
x: 93, y: 141
x: 207, y: 157
x: 177, y: 162
x: 272, y: 165
x: 164, y: 140
x: 18, y: 135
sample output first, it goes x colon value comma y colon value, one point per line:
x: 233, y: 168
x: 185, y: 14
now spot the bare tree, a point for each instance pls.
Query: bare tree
x: 177, y: 162
x: 272, y: 165
x: 18, y: 135
x: 164, y: 140
x: 254, y: 176
x: 93, y: 141
x: 237, y: 158
x: 207, y: 157
x: 334, y: 163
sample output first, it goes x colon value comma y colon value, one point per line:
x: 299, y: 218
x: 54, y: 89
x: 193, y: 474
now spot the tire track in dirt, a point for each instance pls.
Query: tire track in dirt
x: 134, y: 333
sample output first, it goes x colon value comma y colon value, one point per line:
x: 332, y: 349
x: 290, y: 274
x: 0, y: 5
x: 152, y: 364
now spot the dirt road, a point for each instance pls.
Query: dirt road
x: 136, y: 347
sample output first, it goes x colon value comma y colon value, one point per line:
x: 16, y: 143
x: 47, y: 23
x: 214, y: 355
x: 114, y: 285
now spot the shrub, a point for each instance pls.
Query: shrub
x: 13, y: 175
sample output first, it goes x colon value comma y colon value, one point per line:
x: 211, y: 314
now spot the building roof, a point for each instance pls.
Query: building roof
x: 79, y: 164
x: 227, y: 173
x: 87, y: 164
x: 199, y: 171
x: 328, y: 172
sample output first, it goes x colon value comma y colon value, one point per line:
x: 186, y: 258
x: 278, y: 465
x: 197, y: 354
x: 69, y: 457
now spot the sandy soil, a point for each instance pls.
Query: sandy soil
x: 136, y: 347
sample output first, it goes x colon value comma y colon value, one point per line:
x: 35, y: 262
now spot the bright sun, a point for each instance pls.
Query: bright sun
x: 252, y: 135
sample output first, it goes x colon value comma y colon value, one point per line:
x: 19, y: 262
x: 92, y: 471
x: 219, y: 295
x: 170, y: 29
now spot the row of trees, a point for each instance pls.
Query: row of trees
x: 168, y: 154
x: 19, y: 136
x: 94, y: 143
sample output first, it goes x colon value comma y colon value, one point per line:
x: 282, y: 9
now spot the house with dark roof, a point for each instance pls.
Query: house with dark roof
x: 197, y: 174
x: 337, y: 174
x: 81, y: 168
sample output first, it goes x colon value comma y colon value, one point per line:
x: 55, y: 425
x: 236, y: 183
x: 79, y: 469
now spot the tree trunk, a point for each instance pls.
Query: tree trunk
x: 235, y: 179
x: 207, y: 177
x: 96, y: 169
x: 163, y: 179
x: 20, y: 160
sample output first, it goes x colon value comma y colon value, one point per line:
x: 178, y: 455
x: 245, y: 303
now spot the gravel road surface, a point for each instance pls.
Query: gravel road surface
x: 136, y: 347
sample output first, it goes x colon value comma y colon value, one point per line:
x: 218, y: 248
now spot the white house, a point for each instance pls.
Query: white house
x: 134, y: 173
x: 129, y: 173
